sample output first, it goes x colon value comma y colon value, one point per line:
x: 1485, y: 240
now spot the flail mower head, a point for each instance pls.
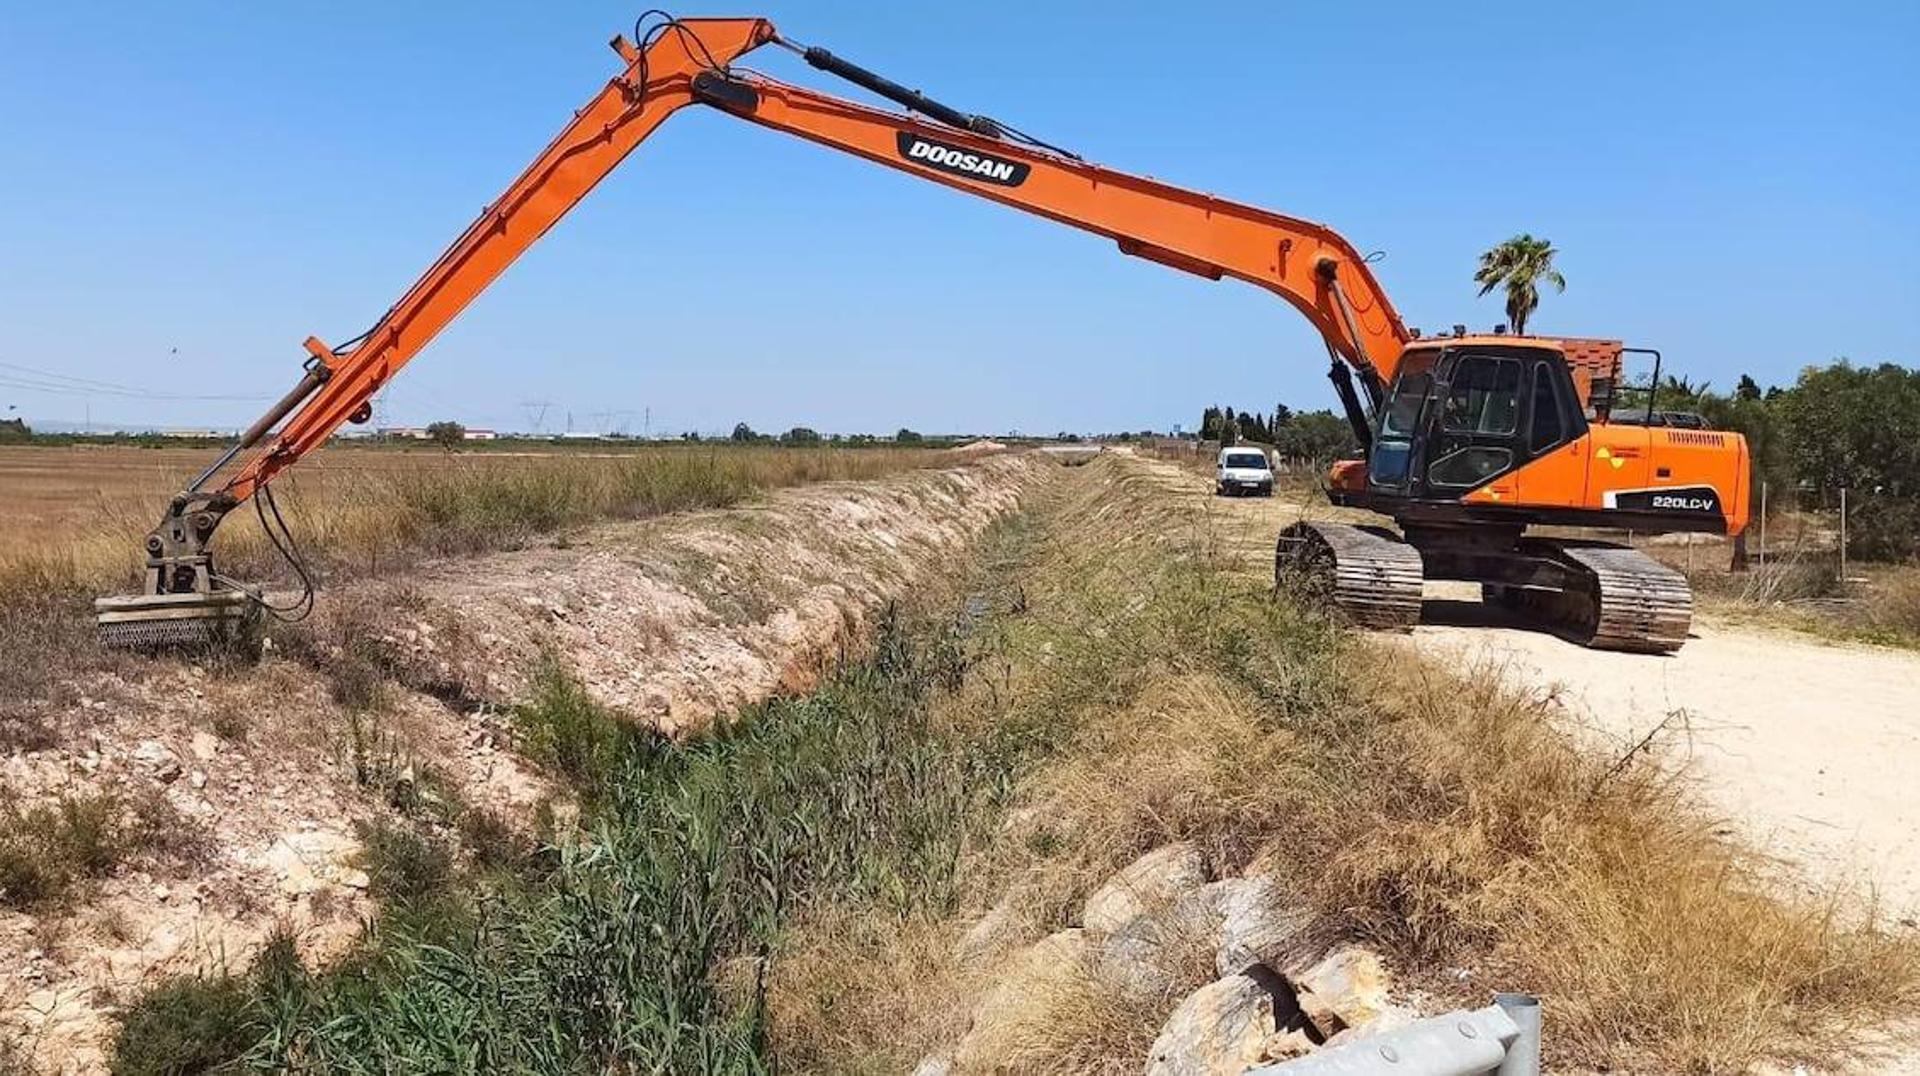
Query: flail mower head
x: 190, y: 621
x: 185, y: 605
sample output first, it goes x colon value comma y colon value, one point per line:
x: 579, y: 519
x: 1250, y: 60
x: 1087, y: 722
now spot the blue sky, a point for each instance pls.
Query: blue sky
x: 189, y: 189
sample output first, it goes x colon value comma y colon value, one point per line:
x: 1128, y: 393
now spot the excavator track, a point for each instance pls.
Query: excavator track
x: 1369, y: 573
x: 1626, y: 600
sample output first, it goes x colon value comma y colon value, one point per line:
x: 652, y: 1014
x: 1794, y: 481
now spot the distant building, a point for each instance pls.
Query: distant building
x: 419, y: 433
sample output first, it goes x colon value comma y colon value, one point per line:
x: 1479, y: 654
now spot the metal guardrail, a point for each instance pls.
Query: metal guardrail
x: 1502, y: 1039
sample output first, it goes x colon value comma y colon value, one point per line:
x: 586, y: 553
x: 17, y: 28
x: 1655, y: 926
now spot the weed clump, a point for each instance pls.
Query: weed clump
x: 191, y: 1024
x: 211, y: 1023
x: 562, y: 728
x: 402, y: 864
x: 48, y: 850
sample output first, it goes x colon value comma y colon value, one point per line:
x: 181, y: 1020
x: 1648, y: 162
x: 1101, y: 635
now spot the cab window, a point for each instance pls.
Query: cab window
x: 1469, y: 465
x: 1402, y: 417
x: 1484, y: 397
x: 1549, y: 427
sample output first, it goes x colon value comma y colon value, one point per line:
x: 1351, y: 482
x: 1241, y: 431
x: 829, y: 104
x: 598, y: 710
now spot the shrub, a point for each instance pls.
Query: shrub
x: 402, y: 864
x: 564, y: 729
x: 187, y: 1025
x: 47, y: 849
x: 1884, y: 528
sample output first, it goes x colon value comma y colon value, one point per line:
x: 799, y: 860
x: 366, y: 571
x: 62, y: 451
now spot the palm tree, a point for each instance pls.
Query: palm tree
x: 1519, y: 264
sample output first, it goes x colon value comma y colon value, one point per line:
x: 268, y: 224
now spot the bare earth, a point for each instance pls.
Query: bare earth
x: 1810, y: 749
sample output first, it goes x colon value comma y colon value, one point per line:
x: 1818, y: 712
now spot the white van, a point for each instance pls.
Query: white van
x: 1244, y: 469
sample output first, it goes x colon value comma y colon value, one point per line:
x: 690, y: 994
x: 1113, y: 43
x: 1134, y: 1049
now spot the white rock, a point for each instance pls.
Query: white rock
x: 992, y: 932
x: 206, y: 746
x: 151, y: 752
x: 1159, y: 952
x: 1286, y: 1045
x: 1220, y: 1028
x: 1258, y: 922
x: 1349, y: 987
x: 939, y: 1064
x: 309, y: 861
x: 1153, y: 881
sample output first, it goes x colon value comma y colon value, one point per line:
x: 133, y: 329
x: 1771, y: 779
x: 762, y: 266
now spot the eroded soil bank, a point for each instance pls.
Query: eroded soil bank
x: 217, y: 804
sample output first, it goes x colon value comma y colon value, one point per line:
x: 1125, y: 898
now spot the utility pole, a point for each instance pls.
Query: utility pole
x: 1843, y: 538
x: 536, y: 412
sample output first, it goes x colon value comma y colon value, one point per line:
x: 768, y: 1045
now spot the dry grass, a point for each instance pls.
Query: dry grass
x: 834, y: 1012
x: 88, y: 507
x: 1801, y: 590
x: 1157, y: 696
x: 51, y: 850
x: 355, y: 511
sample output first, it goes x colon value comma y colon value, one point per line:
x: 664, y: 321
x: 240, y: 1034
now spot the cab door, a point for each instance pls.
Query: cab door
x: 1475, y: 435
x: 1508, y: 430
x: 1557, y: 447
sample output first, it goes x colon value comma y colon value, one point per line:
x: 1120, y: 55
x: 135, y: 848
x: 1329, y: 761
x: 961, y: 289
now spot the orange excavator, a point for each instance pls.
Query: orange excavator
x: 1470, y: 440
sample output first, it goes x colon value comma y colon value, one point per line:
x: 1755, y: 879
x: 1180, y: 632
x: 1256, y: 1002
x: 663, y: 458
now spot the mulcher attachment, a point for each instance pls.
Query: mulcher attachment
x: 191, y: 621
x: 185, y: 606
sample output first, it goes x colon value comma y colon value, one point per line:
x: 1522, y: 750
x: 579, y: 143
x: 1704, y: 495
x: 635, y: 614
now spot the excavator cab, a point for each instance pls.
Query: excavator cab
x: 1457, y: 418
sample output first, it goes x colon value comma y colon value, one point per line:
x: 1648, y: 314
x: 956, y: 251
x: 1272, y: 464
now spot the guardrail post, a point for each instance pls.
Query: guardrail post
x: 1523, y: 1053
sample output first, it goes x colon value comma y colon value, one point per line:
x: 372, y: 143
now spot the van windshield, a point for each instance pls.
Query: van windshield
x: 1253, y: 461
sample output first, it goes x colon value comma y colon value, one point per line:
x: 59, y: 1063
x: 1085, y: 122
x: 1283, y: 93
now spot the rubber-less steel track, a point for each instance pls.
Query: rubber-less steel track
x: 1636, y: 602
x: 1622, y: 600
x: 1371, y: 575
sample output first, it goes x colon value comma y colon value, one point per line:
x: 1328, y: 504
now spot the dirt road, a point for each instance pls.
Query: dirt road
x: 1811, y: 750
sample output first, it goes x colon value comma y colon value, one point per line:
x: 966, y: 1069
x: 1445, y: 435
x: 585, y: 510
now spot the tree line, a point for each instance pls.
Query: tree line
x: 1304, y: 436
x: 1838, y: 426
x: 807, y: 435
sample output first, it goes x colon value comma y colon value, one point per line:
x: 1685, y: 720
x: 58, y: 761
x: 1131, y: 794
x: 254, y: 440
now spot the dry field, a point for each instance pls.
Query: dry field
x: 80, y: 510
x: 355, y: 511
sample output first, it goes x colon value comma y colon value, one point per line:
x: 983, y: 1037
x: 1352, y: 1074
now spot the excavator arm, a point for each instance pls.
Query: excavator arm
x: 682, y: 62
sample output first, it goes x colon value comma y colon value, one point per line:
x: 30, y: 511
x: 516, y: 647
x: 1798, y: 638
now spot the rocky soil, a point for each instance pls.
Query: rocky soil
x: 400, y: 690
x: 1273, y: 989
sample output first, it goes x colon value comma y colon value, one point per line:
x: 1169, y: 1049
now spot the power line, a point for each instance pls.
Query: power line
x: 35, y: 380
